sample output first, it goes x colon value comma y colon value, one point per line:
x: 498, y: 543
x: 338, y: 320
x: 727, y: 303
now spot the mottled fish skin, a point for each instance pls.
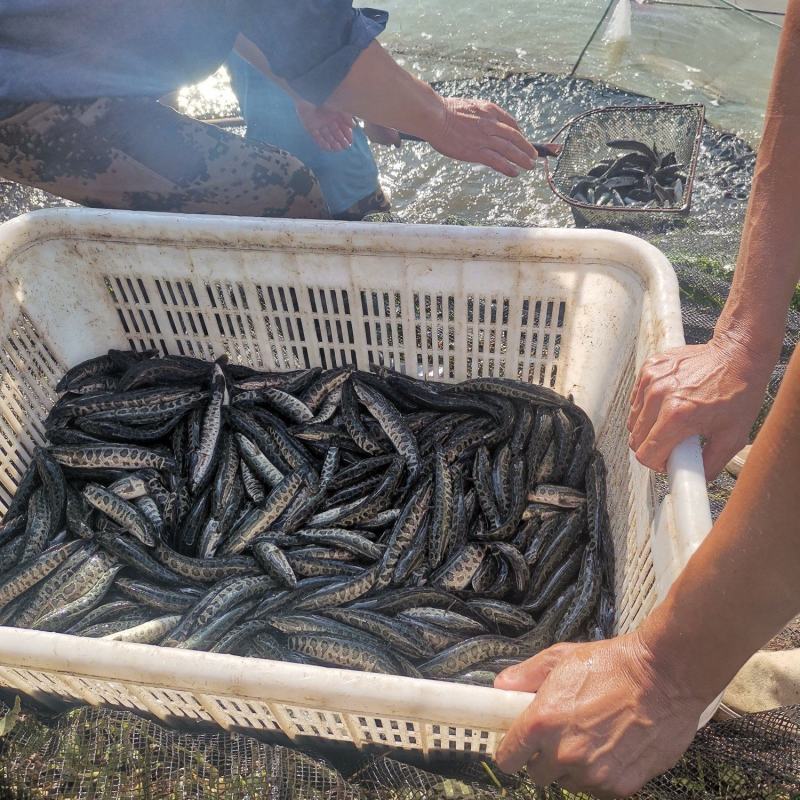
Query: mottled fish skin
x: 285, y: 404
x: 150, y: 511
x: 599, y: 529
x: 379, y: 500
x: 482, y: 479
x: 259, y: 464
x: 84, y: 568
x: 583, y: 447
x: 382, y: 520
x: 165, y: 370
x: 339, y: 593
x: 485, y: 576
x: 328, y: 408
x: 543, y: 634
x: 187, y: 536
x: 441, y: 527
x: 260, y: 519
x: 113, y: 609
x: 511, y: 521
x: 358, y: 471
x: 11, y: 528
x: 540, y: 440
x: 202, y: 460
x: 252, y: 486
x: 354, y: 541
x: 25, y: 489
x: 220, y: 599
x: 357, y: 491
x: 240, y: 634
x: 559, y: 496
x: 39, y: 526
x: 501, y: 478
x: 513, y: 389
x: 150, y: 632
x: 117, y: 456
x: 502, y: 617
x: 476, y: 677
x: 432, y: 635
x: 392, y: 632
x: 414, y: 558
x: 127, y: 516
x: 55, y: 487
x: 289, y: 449
x: 393, y: 426
x: 113, y: 626
x: 564, y: 540
x: 129, y: 487
x: 91, y: 368
x: 274, y: 562
x: 563, y: 576
x: 205, y: 570
x: 123, y: 405
x: 516, y: 561
x: 457, y: 573
x: 158, y: 597
x: 523, y: 425
x: 62, y: 618
x: 330, y: 466
x: 587, y: 594
x: 29, y: 573
x: 404, y: 532
x: 339, y: 652
x: 205, y: 636
x: 309, y: 567
x: 113, y: 430
x: 265, y: 646
x: 326, y: 383
x: 398, y: 600
x: 354, y: 425
x: 447, y: 619
x: 464, y: 655
x: 130, y: 552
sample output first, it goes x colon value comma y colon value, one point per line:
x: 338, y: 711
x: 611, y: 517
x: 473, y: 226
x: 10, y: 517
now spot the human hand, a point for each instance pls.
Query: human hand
x: 482, y: 133
x: 331, y: 130
x: 714, y: 390
x: 605, y: 720
x: 382, y: 135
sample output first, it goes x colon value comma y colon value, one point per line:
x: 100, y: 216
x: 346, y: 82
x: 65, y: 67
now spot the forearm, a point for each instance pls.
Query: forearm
x: 379, y: 90
x: 768, y: 267
x: 740, y: 587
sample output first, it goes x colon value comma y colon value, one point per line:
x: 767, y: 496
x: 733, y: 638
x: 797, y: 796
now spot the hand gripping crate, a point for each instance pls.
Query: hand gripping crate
x: 575, y: 310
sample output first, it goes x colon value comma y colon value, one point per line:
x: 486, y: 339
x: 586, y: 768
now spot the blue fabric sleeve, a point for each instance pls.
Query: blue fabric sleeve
x: 312, y: 44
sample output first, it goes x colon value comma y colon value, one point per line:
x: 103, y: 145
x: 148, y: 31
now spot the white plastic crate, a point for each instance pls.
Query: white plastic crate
x: 575, y: 310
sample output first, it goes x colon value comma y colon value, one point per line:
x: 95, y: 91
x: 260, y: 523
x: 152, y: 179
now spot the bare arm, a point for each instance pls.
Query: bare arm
x: 380, y: 91
x: 610, y: 715
x: 716, y: 389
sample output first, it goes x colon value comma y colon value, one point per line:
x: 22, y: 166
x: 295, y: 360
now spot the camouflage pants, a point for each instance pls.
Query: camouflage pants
x: 135, y: 153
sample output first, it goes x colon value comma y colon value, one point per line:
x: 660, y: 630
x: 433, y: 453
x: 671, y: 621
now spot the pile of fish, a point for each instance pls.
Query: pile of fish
x: 639, y: 177
x: 365, y: 520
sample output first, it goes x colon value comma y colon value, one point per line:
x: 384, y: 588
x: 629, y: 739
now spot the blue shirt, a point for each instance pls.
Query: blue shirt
x: 79, y: 49
x: 345, y: 177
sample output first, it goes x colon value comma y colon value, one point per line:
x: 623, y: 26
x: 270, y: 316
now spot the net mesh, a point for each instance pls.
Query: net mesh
x: 668, y: 129
x: 92, y: 753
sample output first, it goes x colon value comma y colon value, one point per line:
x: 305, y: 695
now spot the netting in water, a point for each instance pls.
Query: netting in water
x: 91, y: 753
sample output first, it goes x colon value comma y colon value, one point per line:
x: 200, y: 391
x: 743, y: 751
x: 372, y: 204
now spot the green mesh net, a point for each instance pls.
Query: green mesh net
x: 89, y: 754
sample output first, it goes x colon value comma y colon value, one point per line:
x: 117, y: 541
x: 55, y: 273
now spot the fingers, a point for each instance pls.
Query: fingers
x: 720, y: 449
x: 520, y: 743
x: 514, y: 136
x: 661, y: 440
x: 529, y: 675
x: 492, y: 159
x: 512, y: 153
